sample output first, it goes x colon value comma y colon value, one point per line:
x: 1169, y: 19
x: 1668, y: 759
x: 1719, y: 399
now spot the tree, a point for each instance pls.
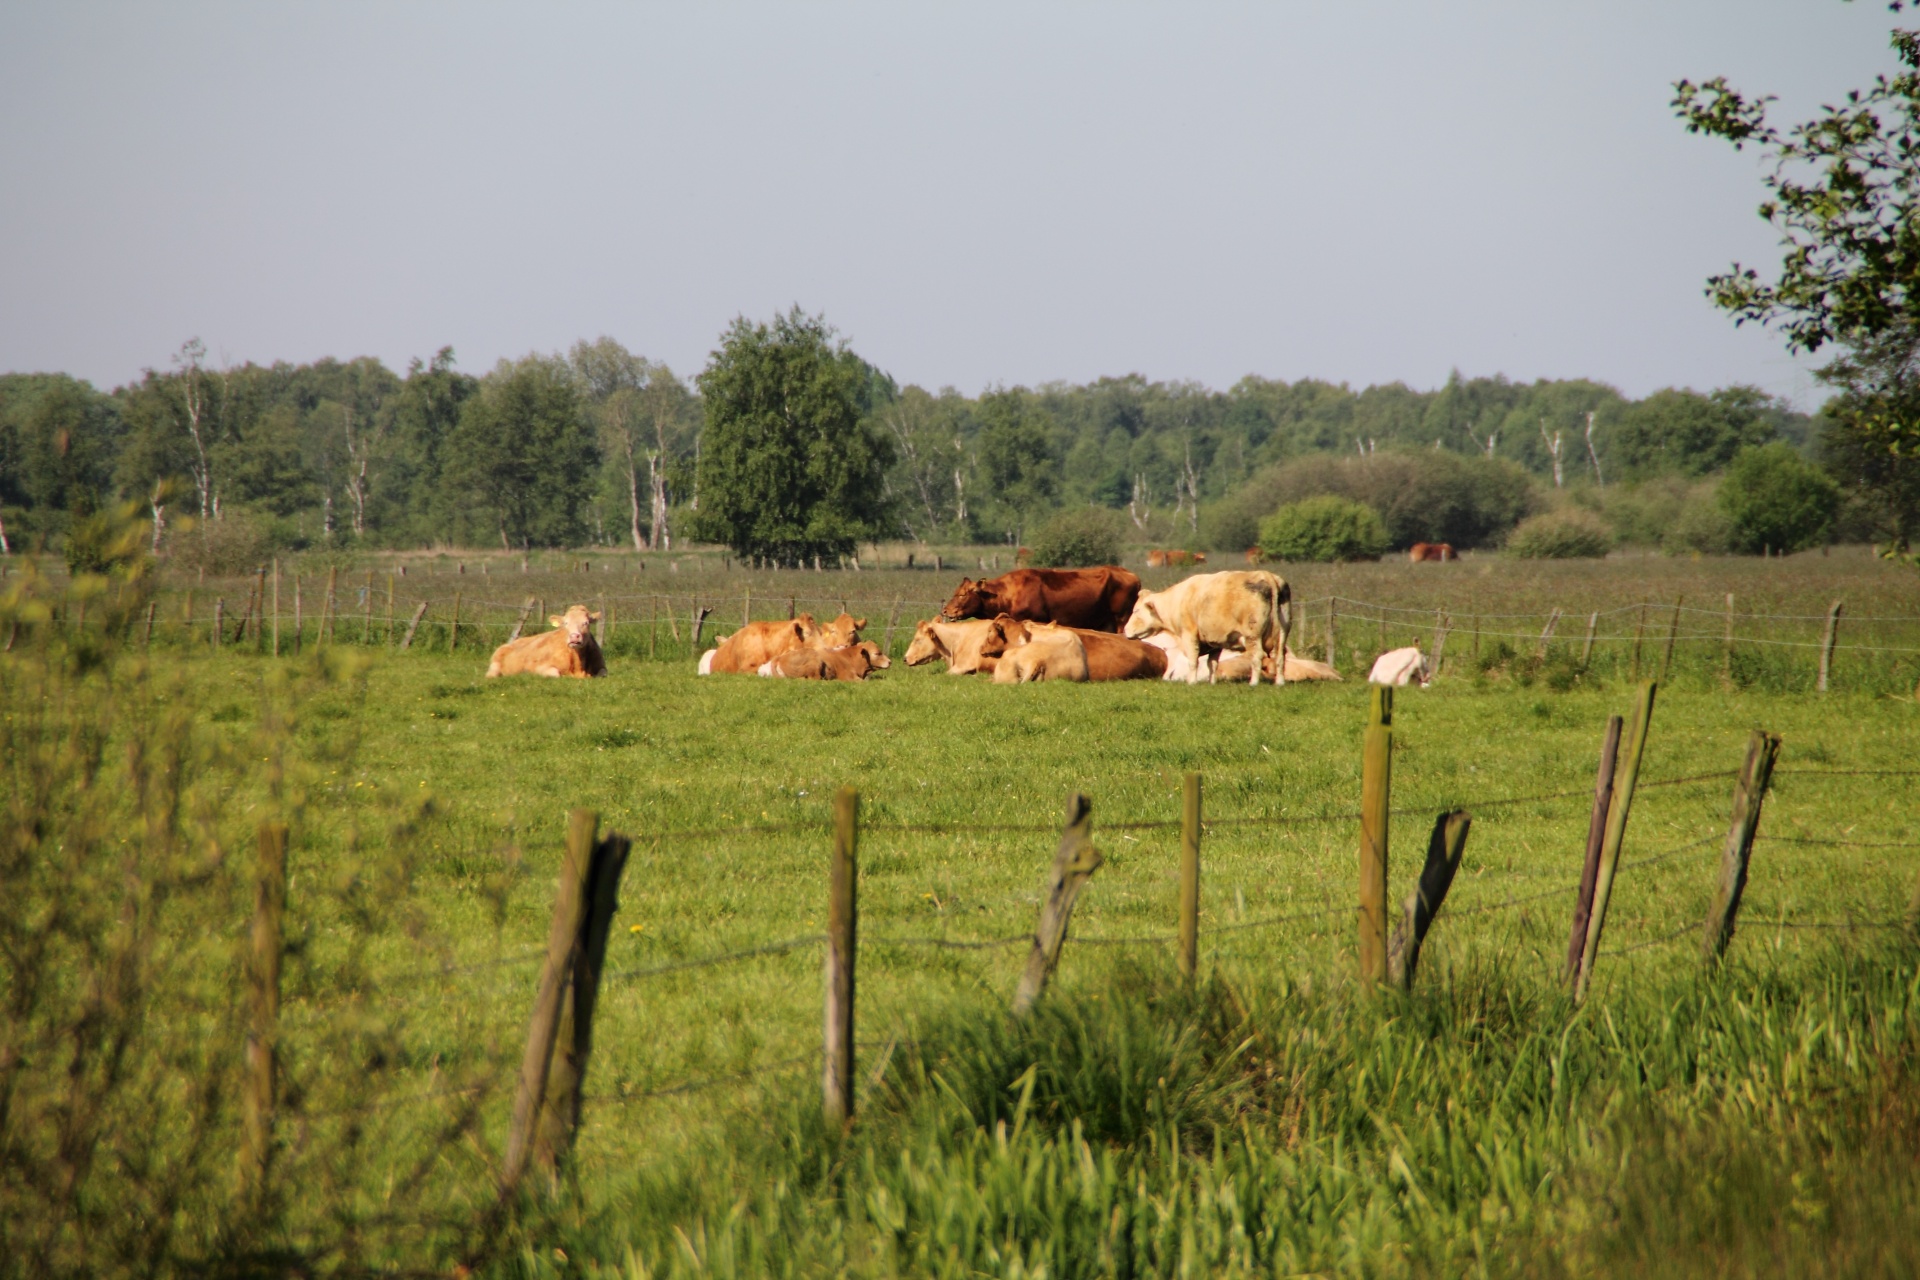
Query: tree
x: 1777, y: 500
x: 791, y: 467
x: 1675, y: 432
x: 524, y: 454
x: 411, y: 493
x: 1323, y: 529
x: 1015, y: 460
x: 1843, y: 190
x: 929, y: 437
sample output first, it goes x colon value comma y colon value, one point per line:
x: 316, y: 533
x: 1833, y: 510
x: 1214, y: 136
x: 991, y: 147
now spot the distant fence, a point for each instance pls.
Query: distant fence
x: 552, y: 1097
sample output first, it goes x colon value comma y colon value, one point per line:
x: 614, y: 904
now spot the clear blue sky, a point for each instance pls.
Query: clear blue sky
x: 973, y: 194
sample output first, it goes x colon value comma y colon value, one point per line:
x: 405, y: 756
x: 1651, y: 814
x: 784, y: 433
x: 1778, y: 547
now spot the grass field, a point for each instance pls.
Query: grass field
x: 1274, y: 1120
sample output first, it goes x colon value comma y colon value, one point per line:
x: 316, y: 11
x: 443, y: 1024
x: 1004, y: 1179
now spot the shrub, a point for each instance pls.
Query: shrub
x: 1777, y: 499
x: 1323, y: 529
x: 1571, y: 534
x: 235, y: 543
x: 1700, y: 526
x: 1086, y: 536
x: 1425, y: 496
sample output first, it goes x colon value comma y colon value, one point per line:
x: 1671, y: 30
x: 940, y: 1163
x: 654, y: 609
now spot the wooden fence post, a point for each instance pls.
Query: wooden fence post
x: 1333, y: 622
x: 520, y: 622
x: 1444, y: 847
x: 843, y: 937
x: 453, y: 631
x: 573, y: 1041
x: 1376, y: 784
x: 1546, y: 633
x: 700, y: 612
x: 413, y: 626
x: 1826, y: 644
x: 263, y: 1007
x: 543, y: 1027
x: 1749, y: 793
x: 1596, y: 836
x: 886, y: 643
x: 1673, y: 632
x: 1190, y: 876
x: 329, y: 608
x: 1639, y: 631
x: 673, y: 623
x: 1626, y: 776
x: 219, y: 618
x: 1074, y: 862
x: 1586, y: 646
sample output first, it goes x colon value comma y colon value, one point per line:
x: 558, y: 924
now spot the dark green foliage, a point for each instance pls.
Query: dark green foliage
x: 790, y: 466
x: 1571, y: 534
x: 524, y: 456
x: 1683, y: 433
x: 1074, y: 539
x: 1021, y: 475
x: 1323, y: 529
x: 1425, y: 496
x: 58, y: 437
x: 1777, y: 500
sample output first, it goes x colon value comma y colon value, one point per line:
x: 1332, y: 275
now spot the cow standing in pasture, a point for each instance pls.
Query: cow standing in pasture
x: 757, y: 643
x: 1098, y: 599
x: 844, y: 662
x: 567, y: 650
x: 1438, y: 552
x: 1051, y: 652
x: 1210, y: 612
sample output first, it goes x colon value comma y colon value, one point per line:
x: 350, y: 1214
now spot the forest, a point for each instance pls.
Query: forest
x: 600, y: 446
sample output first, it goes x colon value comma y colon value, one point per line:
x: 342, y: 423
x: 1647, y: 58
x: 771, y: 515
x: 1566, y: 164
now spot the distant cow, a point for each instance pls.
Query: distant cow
x: 1173, y: 559
x: 1098, y: 599
x: 844, y: 662
x: 1401, y: 666
x: 1209, y: 612
x: 959, y: 643
x: 1051, y: 652
x: 1421, y: 552
x: 1254, y: 555
x: 759, y: 642
x: 567, y: 650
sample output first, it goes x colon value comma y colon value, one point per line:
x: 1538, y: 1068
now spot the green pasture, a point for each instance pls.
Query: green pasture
x: 1274, y: 1120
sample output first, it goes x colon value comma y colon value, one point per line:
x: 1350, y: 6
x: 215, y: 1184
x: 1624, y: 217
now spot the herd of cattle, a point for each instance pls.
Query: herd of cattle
x: 1024, y: 626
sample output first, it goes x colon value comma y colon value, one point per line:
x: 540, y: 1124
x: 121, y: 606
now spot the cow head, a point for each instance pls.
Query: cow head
x: 842, y: 631
x: 969, y: 601
x: 876, y: 660
x: 578, y: 624
x: 926, y: 645
x: 1002, y: 634
x: 806, y: 630
x: 1145, y: 620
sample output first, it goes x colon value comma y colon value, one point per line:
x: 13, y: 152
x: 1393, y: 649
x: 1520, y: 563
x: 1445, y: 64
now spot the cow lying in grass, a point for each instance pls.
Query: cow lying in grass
x: 841, y: 632
x: 961, y: 644
x: 567, y: 650
x: 847, y: 662
x: 1109, y: 657
x: 1051, y: 652
x: 758, y: 643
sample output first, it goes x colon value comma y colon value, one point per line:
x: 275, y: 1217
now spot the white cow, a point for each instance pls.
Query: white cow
x: 1401, y: 666
x: 1210, y: 612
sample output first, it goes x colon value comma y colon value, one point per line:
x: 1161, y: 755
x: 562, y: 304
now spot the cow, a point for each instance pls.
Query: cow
x: 1401, y: 666
x: 1254, y: 555
x: 844, y: 662
x: 1209, y: 612
x: 960, y: 643
x: 1109, y: 657
x: 841, y: 632
x: 567, y: 650
x: 1097, y: 599
x: 758, y: 642
x: 1171, y: 559
x: 1051, y: 652
x: 1421, y: 552
x: 1233, y: 664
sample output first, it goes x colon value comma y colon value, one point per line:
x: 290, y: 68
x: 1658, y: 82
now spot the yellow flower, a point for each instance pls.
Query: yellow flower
x: 636, y: 928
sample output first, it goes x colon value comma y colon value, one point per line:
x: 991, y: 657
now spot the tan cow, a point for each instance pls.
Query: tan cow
x: 759, y: 642
x: 841, y: 632
x: 959, y: 643
x: 845, y: 662
x: 567, y: 650
x: 1052, y: 652
x: 1246, y: 610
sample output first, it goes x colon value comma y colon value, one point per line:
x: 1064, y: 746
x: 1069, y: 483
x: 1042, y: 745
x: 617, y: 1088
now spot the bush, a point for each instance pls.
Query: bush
x: 234, y: 544
x: 1702, y: 527
x: 1571, y: 534
x: 1428, y: 496
x: 1323, y: 529
x: 1777, y: 499
x: 1074, y: 539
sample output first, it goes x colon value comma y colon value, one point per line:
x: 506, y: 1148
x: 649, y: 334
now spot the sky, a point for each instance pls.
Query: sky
x: 973, y: 195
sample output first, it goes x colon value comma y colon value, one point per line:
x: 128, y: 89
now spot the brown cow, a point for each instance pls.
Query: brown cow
x: 759, y: 642
x: 1109, y: 657
x: 1254, y: 555
x: 844, y: 662
x: 841, y: 632
x: 1052, y: 652
x: 960, y: 643
x: 1422, y: 552
x: 567, y: 650
x: 1098, y: 599
x: 1172, y: 559
x: 1210, y: 612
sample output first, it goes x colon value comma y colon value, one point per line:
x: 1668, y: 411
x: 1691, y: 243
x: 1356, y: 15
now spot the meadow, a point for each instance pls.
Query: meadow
x: 1274, y: 1118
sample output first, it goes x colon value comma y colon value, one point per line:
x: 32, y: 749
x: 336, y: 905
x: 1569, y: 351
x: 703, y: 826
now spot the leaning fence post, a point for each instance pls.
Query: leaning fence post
x: 1626, y: 775
x: 413, y: 626
x: 263, y: 999
x: 1376, y: 782
x: 573, y: 1041
x: 519, y: 623
x: 1190, y: 876
x: 700, y: 612
x: 1546, y: 633
x: 843, y: 937
x: 1444, y: 847
x: 1074, y: 862
x: 1586, y: 646
x: 543, y: 1027
x: 1748, y: 795
x: 1596, y: 836
x: 1673, y: 632
x: 1826, y: 644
